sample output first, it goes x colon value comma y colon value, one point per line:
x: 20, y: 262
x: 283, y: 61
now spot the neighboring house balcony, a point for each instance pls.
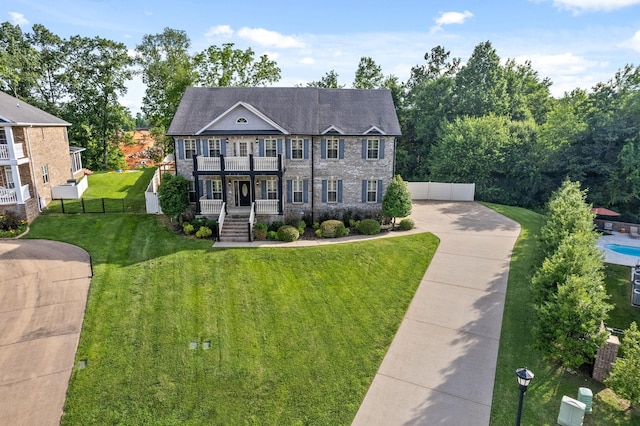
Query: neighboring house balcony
x: 12, y: 151
x: 238, y: 164
x: 12, y: 196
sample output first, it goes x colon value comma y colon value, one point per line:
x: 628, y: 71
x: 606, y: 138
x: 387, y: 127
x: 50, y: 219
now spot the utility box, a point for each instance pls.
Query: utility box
x: 571, y: 412
x: 585, y: 395
x: 635, y: 297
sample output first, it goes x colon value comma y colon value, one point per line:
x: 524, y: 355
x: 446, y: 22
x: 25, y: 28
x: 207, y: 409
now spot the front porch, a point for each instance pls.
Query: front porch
x: 10, y: 196
x: 209, y: 207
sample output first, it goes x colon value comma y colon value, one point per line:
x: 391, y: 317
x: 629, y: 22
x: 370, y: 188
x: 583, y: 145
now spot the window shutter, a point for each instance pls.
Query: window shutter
x: 324, y: 190
x: 364, y: 191
x: 180, y: 149
x: 364, y: 149
x: 223, y: 146
x: 341, y: 149
x: 305, y: 191
x: 289, y: 191
x: 381, y: 152
x: 287, y: 148
x: 205, y: 147
x: 279, y: 146
x: 198, y: 147
x: 200, y: 188
x: 261, y: 147
x: 209, y: 189
x: 306, y: 149
x: 263, y: 184
x: 339, y: 190
x: 323, y: 148
x: 379, y: 194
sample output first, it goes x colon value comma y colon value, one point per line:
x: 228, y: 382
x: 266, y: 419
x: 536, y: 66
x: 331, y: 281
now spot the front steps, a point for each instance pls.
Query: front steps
x: 235, y: 229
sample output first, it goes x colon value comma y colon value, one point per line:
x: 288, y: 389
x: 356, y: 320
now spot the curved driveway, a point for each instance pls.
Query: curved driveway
x: 441, y: 365
x: 43, y: 293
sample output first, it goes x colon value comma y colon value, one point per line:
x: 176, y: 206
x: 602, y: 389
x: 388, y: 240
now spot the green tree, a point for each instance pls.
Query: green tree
x: 624, y: 379
x: 329, y: 81
x: 18, y: 62
x: 368, y: 74
x: 50, y: 69
x: 95, y: 78
x: 568, y: 329
x: 167, y: 70
x: 227, y: 66
x: 397, y: 199
x: 567, y: 213
x: 173, y: 195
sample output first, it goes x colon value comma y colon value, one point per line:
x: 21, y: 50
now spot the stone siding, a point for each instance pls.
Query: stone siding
x: 605, y: 357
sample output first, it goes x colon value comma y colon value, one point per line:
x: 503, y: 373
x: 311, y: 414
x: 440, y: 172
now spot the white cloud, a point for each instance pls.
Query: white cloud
x: 307, y: 61
x: 220, y: 30
x: 272, y: 55
x: 269, y: 38
x: 633, y: 42
x: 593, y: 5
x: 18, y: 18
x: 448, y: 18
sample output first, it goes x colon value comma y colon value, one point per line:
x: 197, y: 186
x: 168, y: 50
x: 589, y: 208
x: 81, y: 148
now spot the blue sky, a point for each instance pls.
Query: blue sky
x: 576, y: 43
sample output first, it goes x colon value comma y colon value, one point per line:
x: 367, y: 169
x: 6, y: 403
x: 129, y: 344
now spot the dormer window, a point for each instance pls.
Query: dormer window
x: 241, y: 120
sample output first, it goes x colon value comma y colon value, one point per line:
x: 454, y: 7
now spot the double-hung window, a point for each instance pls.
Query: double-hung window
x: 270, y: 147
x: 332, y: 149
x: 189, y: 148
x: 373, y: 149
x: 297, y: 191
x: 216, y: 189
x: 192, y: 191
x: 45, y: 173
x: 332, y: 190
x: 372, y: 191
x: 214, y: 147
x: 272, y: 189
x: 297, y: 149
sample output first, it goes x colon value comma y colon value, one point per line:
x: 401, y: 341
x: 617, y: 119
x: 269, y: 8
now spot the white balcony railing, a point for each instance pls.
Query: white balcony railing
x: 267, y: 206
x: 210, y: 207
x: 212, y: 164
x: 5, y: 152
x: 10, y: 196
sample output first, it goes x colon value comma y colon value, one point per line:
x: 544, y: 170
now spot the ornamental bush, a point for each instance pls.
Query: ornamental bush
x: 368, y: 227
x: 187, y: 228
x: 406, y: 224
x: 260, y: 231
x: 288, y: 233
x: 203, y: 232
x: 333, y: 229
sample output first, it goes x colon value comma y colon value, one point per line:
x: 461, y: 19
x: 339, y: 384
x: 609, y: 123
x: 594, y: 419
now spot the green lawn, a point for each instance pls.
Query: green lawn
x: 542, y: 400
x: 619, y: 288
x: 296, y: 334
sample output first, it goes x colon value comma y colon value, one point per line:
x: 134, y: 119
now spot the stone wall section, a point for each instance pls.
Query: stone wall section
x: 605, y: 357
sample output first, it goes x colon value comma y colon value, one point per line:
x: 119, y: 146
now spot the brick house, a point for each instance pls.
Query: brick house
x: 285, y: 151
x: 35, y: 158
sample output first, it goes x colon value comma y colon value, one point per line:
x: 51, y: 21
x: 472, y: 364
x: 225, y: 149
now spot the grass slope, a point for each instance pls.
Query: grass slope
x: 296, y: 334
x: 542, y: 400
x: 119, y: 185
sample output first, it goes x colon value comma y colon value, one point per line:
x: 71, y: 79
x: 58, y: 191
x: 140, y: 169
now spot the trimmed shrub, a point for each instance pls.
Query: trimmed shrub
x: 301, y: 227
x: 187, y: 228
x: 318, y: 233
x: 288, y: 233
x: 275, y: 226
x: 368, y: 227
x: 260, y: 231
x: 203, y: 232
x: 9, y: 220
x: 333, y: 229
x: 272, y: 235
x: 406, y: 224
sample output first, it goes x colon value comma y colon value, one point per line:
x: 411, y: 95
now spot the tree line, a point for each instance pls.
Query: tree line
x: 486, y: 121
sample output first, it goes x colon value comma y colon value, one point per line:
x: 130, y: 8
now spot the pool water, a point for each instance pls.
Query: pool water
x: 628, y: 250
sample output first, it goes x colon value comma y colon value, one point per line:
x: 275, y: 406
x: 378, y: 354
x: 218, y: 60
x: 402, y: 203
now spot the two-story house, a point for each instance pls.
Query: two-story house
x: 285, y: 151
x: 35, y: 158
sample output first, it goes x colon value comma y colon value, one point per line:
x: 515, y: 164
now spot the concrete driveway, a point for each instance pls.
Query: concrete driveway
x: 441, y: 365
x: 43, y: 293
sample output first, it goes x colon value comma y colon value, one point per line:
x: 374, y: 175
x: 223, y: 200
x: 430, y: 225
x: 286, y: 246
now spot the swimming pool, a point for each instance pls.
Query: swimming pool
x: 628, y: 250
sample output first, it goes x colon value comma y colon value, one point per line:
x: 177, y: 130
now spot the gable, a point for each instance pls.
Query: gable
x: 241, y: 119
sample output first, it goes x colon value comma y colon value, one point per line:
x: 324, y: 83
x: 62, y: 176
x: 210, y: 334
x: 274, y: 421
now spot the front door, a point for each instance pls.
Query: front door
x: 244, y: 193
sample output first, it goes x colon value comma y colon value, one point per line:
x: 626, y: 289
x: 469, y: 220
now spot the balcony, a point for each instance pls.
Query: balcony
x: 10, y: 196
x: 238, y: 164
x: 5, y: 151
x: 267, y: 206
x: 209, y: 206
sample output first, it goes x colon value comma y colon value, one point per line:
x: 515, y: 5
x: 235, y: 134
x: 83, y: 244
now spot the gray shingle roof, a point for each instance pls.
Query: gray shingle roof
x: 15, y: 111
x: 299, y: 110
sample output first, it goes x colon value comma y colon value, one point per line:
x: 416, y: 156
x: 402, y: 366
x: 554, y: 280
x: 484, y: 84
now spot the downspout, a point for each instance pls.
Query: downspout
x: 312, y: 182
x: 33, y: 171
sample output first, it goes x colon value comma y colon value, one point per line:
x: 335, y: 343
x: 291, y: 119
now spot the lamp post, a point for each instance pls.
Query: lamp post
x: 524, y: 377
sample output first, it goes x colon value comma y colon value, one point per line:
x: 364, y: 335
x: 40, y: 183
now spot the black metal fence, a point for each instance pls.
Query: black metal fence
x: 98, y: 205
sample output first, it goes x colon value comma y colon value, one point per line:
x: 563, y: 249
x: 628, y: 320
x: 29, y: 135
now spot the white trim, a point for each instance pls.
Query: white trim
x: 250, y: 108
x: 330, y: 128
x: 374, y: 128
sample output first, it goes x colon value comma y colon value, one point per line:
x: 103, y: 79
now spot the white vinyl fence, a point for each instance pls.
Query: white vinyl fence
x: 151, y: 194
x: 442, y: 191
